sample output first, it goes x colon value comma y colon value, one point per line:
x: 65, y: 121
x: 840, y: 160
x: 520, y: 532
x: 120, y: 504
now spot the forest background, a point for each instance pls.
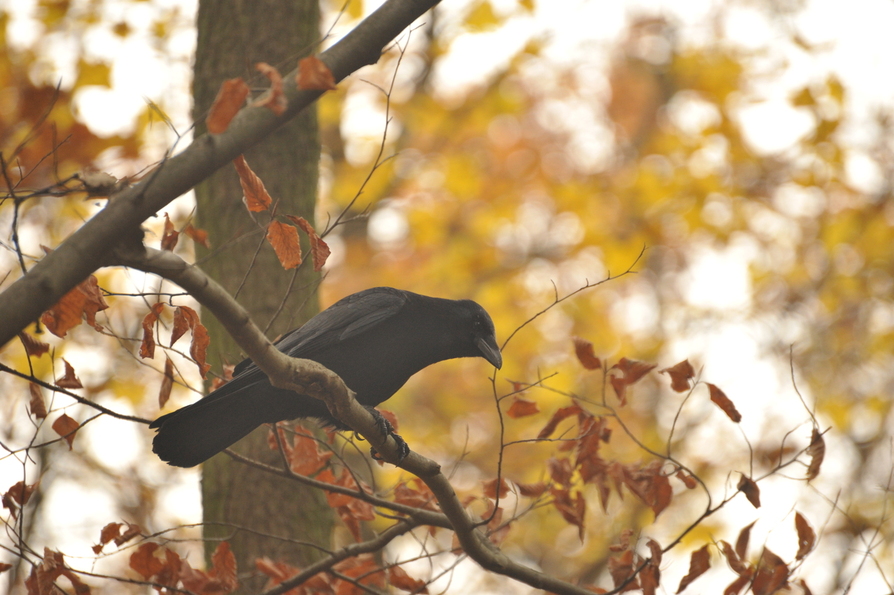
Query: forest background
x: 736, y: 157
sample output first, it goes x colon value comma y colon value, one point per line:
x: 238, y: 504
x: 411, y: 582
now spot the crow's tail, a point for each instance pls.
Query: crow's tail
x: 197, y: 432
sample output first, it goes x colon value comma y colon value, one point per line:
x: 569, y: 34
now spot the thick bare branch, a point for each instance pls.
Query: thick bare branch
x: 88, y: 249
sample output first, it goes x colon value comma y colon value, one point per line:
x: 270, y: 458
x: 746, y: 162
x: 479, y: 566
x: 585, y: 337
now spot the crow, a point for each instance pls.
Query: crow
x: 374, y: 340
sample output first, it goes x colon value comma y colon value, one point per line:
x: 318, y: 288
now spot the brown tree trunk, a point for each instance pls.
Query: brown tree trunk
x: 258, y: 513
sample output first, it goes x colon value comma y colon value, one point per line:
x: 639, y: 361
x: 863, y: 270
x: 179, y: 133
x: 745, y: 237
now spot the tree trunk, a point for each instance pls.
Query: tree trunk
x: 232, y: 37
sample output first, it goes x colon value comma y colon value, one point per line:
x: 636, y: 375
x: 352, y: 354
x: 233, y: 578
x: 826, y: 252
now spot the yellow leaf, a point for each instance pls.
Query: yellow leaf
x: 482, y: 17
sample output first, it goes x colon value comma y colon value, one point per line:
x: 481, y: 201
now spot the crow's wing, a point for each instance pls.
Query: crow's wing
x: 346, y: 318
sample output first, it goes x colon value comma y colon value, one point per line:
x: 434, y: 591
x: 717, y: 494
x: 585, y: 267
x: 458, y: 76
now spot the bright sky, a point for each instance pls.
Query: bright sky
x: 857, y: 47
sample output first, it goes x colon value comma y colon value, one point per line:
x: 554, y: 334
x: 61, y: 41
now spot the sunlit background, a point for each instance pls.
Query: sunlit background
x: 539, y: 146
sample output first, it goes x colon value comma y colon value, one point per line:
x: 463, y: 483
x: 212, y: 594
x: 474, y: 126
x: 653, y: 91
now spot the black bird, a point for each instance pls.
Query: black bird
x: 374, y: 340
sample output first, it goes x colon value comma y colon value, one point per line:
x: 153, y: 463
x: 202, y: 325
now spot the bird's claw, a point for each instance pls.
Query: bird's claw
x: 385, y: 427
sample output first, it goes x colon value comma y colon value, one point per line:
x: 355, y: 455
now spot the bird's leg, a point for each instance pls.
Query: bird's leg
x: 385, y: 427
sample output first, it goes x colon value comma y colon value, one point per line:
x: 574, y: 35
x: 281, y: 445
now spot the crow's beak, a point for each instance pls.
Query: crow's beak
x: 490, y: 351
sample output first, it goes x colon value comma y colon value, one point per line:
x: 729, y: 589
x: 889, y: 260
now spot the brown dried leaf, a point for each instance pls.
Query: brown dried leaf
x: 584, y: 351
x: 4, y: 567
x: 36, y: 406
x: 145, y: 562
x: 319, y: 250
x: 491, y: 491
x: 571, y: 508
x: 255, y: 195
x: 721, y: 400
x: 399, y: 578
x: 735, y: 587
x: 522, y: 408
x: 199, y: 236
x: 167, y: 383
x: 650, y: 576
x: 184, y: 318
x: 419, y: 496
x: 699, y: 563
x: 806, y: 536
x: 557, y: 418
x: 230, y: 99
x: 275, y: 98
x: 748, y: 487
x: 734, y: 561
x: 687, y: 479
x: 742, y: 540
x: 680, y: 375
x: 313, y: 74
x: 560, y: 470
x: 147, y: 346
x: 531, y: 490
x: 223, y: 569
x: 17, y: 496
x: 67, y: 428
x: 198, y: 347
x: 772, y: 574
x: 33, y: 347
x: 284, y: 239
x: 169, y: 236
x: 70, y: 379
x: 83, y: 301
x: 817, y: 452
x: 633, y: 371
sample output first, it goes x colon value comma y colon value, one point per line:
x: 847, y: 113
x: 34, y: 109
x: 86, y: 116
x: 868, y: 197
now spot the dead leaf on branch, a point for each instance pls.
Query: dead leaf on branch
x: 817, y: 452
x: 169, y: 235
x: 313, y: 74
x: 167, y: 383
x: 632, y: 371
x: 522, y: 408
x: 33, y: 347
x: 230, y: 99
x: 726, y: 405
x: 491, y: 490
x: 254, y: 193
x: 84, y: 301
x: 70, y: 379
x: 680, y: 375
x: 275, y: 98
x: 584, y: 351
x: 699, y: 563
x: 66, y: 427
x: 806, y: 536
x: 556, y: 419
x: 147, y: 345
x: 319, y: 250
x: 199, y: 236
x: 743, y: 539
x: 187, y: 318
x: 36, y: 405
x: 772, y: 573
x: 748, y: 487
x: 284, y: 240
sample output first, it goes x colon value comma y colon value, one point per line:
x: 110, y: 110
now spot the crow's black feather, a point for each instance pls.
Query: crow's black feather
x: 374, y: 340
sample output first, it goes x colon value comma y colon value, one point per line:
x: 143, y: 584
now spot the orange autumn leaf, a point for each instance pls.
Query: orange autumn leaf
x: 169, y: 236
x: 145, y: 562
x: 275, y: 98
x: 199, y: 236
x: 313, y: 74
x: 33, y: 347
x: 398, y: 577
x: 743, y: 539
x: 522, y: 408
x: 67, y: 428
x: 36, y: 405
x: 147, y: 345
x: 584, y: 351
x: 84, y: 301
x: 680, y: 375
x: 557, y: 418
x: 187, y: 318
x: 284, y: 239
x: 230, y: 99
x: 70, y: 379
x: 223, y: 567
x: 571, y: 508
x: 699, y: 563
x: 319, y: 250
x: 491, y: 489
x: 726, y: 405
x: 633, y: 371
x: 255, y: 195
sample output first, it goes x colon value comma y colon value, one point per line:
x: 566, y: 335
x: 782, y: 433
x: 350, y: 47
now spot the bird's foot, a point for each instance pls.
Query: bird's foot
x: 385, y: 427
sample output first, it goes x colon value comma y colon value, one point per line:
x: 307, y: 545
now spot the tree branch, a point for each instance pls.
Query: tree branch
x: 310, y: 378
x: 88, y: 248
